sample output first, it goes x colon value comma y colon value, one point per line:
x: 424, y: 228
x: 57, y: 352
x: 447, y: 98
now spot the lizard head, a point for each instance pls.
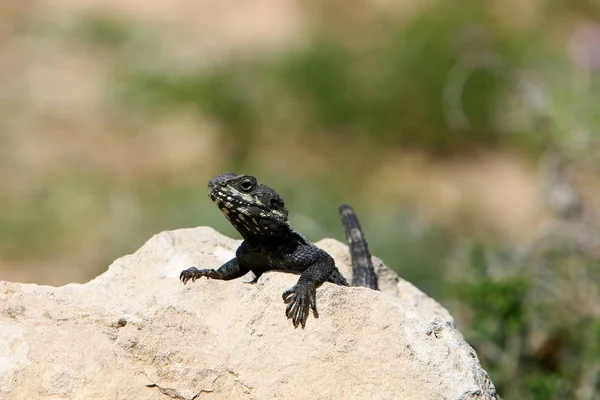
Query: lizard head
x: 254, y: 209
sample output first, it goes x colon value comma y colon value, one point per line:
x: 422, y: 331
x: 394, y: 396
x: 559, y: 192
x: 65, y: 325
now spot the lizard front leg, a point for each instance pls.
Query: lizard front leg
x: 230, y: 270
x: 301, y: 298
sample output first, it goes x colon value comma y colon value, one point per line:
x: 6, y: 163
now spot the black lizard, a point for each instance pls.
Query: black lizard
x: 258, y: 213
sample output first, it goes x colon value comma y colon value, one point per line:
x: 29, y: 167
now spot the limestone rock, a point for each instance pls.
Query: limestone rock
x: 136, y: 332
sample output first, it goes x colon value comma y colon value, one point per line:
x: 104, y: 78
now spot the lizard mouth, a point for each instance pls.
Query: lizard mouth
x: 233, y: 202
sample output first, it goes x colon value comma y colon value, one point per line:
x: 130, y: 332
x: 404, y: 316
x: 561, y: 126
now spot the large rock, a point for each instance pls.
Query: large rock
x: 136, y: 332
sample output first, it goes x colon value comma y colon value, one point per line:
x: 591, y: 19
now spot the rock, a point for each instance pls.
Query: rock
x: 136, y: 332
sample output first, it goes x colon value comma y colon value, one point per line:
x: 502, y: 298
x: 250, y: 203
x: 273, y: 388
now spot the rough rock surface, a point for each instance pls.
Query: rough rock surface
x: 136, y: 332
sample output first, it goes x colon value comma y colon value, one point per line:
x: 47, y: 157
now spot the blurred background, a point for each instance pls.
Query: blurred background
x: 464, y: 133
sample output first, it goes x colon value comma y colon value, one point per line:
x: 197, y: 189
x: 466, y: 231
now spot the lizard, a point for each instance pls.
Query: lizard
x: 259, y: 214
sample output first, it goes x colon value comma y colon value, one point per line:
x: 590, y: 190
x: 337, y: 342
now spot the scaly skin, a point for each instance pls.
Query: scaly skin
x: 363, y: 273
x: 258, y: 213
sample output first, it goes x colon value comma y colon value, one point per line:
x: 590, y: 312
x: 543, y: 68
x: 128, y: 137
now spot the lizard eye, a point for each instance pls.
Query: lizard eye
x: 247, y: 184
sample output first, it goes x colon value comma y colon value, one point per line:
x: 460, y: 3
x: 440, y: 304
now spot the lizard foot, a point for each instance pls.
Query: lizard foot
x: 193, y: 273
x: 300, y: 299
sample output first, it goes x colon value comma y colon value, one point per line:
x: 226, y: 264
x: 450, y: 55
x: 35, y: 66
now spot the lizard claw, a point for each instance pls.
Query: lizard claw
x: 193, y: 273
x: 300, y: 300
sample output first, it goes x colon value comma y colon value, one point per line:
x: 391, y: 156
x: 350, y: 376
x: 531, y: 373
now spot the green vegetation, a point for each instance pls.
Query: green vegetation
x: 534, y: 343
x: 390, y: 90
x: 102, y: 30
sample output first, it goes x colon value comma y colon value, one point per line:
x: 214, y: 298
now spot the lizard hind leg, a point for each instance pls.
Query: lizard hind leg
x: 337, y: 278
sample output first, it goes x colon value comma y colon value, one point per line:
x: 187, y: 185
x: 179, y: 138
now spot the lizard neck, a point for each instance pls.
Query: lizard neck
x: 274, y: 239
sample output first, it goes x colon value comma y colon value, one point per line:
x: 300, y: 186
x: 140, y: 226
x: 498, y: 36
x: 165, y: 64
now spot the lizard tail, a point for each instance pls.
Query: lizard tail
x: 363, y: 273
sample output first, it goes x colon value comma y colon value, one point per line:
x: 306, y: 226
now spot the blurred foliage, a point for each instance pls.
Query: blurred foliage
x: 532, y: 348
x: 214, y: 93
x: 102, y: 30
x: 389, y: 89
